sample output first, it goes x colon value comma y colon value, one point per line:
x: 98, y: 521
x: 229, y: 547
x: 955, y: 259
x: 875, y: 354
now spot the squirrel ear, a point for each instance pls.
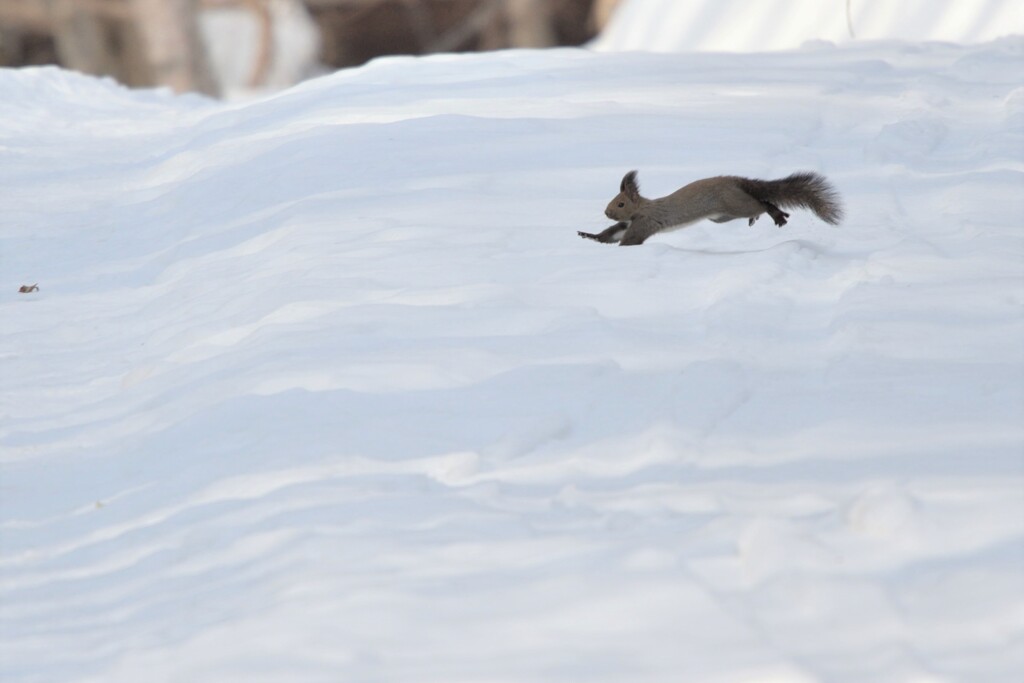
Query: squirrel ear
x: 629, y: 186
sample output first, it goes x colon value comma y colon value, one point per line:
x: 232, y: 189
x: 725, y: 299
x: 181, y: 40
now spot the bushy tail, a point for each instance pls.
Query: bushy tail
x: 803, y: 190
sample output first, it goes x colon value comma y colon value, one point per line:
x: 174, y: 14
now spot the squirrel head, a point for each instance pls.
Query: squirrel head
x: 627, y: 201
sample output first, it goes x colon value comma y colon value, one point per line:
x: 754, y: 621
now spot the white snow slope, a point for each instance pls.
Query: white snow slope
x: 325, y: 387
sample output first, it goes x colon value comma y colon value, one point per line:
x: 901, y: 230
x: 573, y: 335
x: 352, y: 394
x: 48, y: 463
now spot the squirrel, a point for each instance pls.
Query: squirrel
x: 719, y: 199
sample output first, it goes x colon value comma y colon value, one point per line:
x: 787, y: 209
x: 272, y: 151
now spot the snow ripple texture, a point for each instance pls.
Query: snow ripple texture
x: 324, y: 387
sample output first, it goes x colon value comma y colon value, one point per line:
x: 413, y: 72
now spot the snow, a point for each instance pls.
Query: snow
x: 325, y: 387
x: 745, y: 26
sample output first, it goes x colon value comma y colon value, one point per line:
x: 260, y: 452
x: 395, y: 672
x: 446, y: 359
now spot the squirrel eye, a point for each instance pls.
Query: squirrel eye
x: 622, y: 204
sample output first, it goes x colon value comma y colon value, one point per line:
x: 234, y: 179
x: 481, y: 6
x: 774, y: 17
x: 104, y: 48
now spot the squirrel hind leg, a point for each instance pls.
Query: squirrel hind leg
x: 777, y: 214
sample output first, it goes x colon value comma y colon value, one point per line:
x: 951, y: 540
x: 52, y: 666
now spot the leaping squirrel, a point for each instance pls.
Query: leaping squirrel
x: 720, y: 199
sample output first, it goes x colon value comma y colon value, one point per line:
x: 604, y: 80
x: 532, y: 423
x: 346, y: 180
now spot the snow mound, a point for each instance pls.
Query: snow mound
x: 325, y: 387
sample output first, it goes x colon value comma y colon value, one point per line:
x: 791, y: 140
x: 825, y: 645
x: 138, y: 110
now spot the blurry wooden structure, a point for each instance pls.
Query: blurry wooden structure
x: 601, y: 13
x: 354, y: 31
x: 146, y: 43
x: 139, y: 42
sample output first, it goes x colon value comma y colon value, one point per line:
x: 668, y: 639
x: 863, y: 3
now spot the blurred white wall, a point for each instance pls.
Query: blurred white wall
x: 757, y: 25
x: 233, y: 38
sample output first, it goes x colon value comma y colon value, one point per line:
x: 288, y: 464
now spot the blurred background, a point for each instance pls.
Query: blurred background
x: 220, y: 47
x: 232, y: 48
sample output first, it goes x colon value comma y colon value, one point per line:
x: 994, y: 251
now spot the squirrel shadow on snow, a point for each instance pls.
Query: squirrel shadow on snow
x: 719, y: 199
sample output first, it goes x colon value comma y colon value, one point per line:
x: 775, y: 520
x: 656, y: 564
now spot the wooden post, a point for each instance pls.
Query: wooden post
x: 173, y: 47
x: 80, y: 39
x: 530, y: 23
x: 601, y: 13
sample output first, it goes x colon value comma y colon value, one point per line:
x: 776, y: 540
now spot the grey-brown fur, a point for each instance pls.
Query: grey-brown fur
x: 719, y: 199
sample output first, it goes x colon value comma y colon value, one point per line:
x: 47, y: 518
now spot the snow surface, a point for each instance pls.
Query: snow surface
x: 324, y: 387
x: 758, y: 25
